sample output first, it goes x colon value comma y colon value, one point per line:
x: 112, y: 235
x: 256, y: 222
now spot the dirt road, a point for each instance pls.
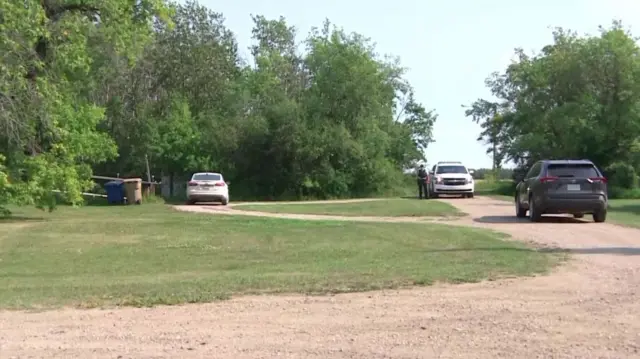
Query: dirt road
x: 587, y: 309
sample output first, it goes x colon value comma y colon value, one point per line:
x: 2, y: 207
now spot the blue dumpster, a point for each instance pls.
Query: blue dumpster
x: 115, y: 192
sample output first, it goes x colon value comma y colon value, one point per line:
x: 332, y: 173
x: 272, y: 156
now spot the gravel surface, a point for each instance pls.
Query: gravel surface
x: 586, y: 309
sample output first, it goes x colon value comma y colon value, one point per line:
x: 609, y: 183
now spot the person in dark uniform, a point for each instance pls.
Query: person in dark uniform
x: 422, y: 182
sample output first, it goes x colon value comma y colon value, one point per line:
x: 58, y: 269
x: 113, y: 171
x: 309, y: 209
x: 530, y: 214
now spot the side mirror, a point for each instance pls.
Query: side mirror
x: 431, y: 173
x: 228, y: 183
x: 471, y: 172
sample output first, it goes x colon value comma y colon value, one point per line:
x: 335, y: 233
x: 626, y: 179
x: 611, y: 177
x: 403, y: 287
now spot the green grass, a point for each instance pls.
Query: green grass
x: 377, y: 208
x: 625, y: 212
x: 495, y: 188
x: 150, y: 254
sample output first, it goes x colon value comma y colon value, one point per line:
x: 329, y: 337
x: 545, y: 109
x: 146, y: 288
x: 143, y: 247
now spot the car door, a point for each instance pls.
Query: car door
x: 529, y: 182
x: 432, y: 178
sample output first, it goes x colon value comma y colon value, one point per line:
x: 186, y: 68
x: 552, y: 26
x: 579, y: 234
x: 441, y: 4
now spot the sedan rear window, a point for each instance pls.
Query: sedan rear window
x: 206, y: 177
x: 572, y: 170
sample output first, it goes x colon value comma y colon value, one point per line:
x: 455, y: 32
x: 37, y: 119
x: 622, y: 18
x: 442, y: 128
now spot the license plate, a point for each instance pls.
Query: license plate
x: 573, y: 187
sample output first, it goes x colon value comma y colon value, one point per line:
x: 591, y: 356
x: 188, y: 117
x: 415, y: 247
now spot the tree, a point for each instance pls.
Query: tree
x: 578, y: 98
x: 49, y: 134
x: 103, y: 85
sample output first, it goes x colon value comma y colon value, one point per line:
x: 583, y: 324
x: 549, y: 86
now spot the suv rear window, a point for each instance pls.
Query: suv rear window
x: 206, y: 177
x: 451, y: 169
x: 572, y: 170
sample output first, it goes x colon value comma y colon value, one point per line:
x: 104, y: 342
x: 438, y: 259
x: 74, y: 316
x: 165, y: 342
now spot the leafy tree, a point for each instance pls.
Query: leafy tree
x: 577, y: 98
x: 100, y: 86
x: 49, y: 135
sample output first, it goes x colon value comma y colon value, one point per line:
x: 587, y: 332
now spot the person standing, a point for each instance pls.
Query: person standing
x: 422, y: 182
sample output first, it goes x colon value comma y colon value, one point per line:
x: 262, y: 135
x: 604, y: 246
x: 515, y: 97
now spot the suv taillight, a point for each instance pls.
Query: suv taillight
x: 548, y: 179
x: 598, y: 179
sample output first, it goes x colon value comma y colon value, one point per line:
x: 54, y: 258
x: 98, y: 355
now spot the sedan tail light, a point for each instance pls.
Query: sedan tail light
x: 192, y: 184
x: 598, y: 179
x: 548, y: 179
x: 220, y: 184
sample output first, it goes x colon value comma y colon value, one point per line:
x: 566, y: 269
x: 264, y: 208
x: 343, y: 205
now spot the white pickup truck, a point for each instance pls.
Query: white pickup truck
x: 451, y: 178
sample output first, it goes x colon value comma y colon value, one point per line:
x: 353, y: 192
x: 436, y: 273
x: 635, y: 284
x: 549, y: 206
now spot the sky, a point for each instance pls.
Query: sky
x: 448, y: 48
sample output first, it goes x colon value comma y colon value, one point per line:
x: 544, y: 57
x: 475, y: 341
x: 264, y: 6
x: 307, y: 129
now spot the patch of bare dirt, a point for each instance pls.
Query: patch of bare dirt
x: 587, y: 309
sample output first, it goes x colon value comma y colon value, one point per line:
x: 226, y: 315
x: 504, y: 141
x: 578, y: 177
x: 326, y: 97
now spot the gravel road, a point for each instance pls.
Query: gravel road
x: 586, y: 309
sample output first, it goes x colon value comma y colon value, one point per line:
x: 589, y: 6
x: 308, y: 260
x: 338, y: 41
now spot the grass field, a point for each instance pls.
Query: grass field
x: 150, y: 254
x: 624, y: 211
x: 384, y: 207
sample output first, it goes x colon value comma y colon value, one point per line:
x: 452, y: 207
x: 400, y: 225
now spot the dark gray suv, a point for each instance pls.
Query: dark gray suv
x: 562, y: 186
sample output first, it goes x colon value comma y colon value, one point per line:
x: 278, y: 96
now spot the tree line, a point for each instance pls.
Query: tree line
x: 100, y: 86
x: 577, y: 98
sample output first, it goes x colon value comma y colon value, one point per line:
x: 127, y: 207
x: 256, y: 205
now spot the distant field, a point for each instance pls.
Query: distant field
x: 379, y: 208
x: 150, y: 254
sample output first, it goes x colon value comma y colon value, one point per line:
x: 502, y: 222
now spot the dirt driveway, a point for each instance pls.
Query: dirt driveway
x: 587, y: 309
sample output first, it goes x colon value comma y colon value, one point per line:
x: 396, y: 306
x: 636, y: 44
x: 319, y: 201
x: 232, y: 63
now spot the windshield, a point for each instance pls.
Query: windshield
x: 572, y: 170
x: 451, y: 169
x: 206, y: 177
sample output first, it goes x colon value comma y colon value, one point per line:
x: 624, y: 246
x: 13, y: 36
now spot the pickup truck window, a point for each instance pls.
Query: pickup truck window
x: 451, y: 169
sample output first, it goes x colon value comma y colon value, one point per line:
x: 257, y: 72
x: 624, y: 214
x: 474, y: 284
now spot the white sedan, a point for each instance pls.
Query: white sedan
x: 207, y: 187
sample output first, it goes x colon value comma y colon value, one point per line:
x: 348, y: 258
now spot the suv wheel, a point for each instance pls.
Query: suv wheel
x: 534, y: 216
x: 600, y: 216
x: 520, y: 212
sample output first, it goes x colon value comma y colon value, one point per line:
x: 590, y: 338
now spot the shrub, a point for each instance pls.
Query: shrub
x: 623, y: 193
x: 503, y: 187
x: 622, y: 175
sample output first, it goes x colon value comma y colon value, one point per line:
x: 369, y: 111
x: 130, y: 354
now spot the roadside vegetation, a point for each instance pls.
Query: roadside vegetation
x: 333, y: 120
x: 150, y: 254
x: 575, y: 98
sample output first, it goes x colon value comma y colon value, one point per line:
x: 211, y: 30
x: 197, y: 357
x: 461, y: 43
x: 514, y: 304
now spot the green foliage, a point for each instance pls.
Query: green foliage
x: 623, y: 175
x: 496, y: 187
x: 623, y: 193
x: 578, y: 97
x: 111, y: 86
x: 333, y: 121
x: 53, y: 54
x: 490, y: 175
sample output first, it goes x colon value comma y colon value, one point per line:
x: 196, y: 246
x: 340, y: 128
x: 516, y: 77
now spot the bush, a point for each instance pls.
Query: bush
x: 623, y: 193
x: 622, y: 175
x: 489, y: 187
